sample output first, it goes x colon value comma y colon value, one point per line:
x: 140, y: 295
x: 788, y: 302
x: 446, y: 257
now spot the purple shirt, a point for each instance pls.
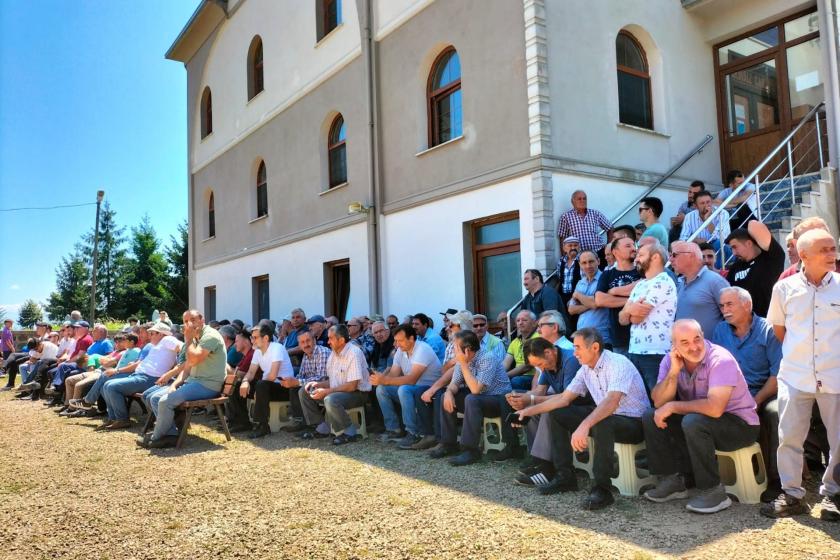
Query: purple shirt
x: 718, y: 369
x: 7, y: 342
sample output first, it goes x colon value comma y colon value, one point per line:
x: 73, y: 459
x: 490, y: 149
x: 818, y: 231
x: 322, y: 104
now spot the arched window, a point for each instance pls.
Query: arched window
x: 262, y: 191
x: 255, y: 67
x: 337, y: 152
x: 445, y: 98
x: 206, y: 113
x: 634, y: 102
x: 211, y: 217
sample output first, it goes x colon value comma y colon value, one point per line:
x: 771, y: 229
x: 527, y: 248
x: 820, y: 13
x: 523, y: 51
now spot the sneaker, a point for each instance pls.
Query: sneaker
x: 670, y: 487
x: 391, y: 436
x: 441, y: 450
x: 78, y: 404
x: 31, y: 386
x: 560, y: 483
x: 408, y: 441
x: 711, y: 500
x: 830, y: 511
x: 538, y: 475
x: 426, y: 442
x: 784, y: 505
x: 598, y: 498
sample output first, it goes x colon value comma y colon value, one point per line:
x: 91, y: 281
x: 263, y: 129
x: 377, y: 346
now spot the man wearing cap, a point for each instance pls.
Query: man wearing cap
x: 81, y: 332
x: 318, y: 327
x: 160, y: 359
x: 42, y: 354
x: 568, y: 271
x: 584, y: 224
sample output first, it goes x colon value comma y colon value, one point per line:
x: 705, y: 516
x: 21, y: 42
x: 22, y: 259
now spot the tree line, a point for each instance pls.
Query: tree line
x: 135, y: 275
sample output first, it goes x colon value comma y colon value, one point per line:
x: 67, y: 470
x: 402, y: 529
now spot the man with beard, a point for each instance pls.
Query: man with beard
x: 614, y: 288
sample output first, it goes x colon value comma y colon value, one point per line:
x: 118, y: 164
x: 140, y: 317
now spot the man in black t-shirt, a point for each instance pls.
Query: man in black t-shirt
x: 614, y: 288
x: 759, y: 262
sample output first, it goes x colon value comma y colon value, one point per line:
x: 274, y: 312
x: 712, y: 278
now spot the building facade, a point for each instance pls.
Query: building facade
x: 397, y: 156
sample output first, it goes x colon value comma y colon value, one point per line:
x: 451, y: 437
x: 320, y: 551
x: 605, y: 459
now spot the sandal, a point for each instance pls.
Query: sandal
x: 313, y: 435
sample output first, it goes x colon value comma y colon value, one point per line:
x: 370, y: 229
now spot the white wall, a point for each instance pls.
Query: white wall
x: 292, y: 64
x: 722, y: 19
x: 390, y: 14
x: 423, y: 266
x: 296, y: 276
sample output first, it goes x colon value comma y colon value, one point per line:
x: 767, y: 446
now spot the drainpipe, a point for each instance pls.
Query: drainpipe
x: 373, y: 216
x: 828, y: 31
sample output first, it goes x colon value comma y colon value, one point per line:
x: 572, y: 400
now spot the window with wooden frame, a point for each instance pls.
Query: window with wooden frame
x: 337, y: 152
x: 210, y: 303
x: 444, y: 96
x: 329, y: 16
x: 255, y: 67
x: 497, y: 272
x: 262, y: 191
x: 211, y: 216
x: 634, y: 100
x: 206, y: 112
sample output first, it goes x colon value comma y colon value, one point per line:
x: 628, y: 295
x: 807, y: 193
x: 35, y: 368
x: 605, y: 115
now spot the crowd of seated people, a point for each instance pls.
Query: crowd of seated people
x: 639, y: 343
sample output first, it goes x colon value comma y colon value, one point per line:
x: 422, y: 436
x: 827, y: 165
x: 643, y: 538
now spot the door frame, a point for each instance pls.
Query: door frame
x: 489, y: 250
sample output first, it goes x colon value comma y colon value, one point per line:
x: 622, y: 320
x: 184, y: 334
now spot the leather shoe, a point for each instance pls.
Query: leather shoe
x: 598, y: 498
x: 560, y: 483
x: 442, y: 450
x: 466, y: 457
x: 261, y: 430
x: 165, y: 441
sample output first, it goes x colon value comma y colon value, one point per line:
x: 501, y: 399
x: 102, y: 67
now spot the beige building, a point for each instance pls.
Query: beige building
x: 397, y: 156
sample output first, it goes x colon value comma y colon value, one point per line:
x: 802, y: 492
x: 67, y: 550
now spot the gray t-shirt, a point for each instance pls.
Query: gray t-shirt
x: 421, y: 354
x: 699, y: 299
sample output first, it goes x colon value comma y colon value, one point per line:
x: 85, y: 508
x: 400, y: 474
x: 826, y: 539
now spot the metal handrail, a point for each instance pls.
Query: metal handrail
x: 696, y: 150
x: 785, y: 143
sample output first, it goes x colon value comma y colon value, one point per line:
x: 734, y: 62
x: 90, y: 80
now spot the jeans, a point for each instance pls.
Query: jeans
x: 416, y: 414
x: 612, y: 429
x: 95, y: 391
x: 335, y: 411
x: 689, y: 443
x: 63, y: 371
x: 152, y: 395
x: 116, y: 390
x: 648, y: 366
x: 795, y: 409
x: 388, y: 398
x: 168, y: 401
x: 521, y: 382
x: 475, y: 409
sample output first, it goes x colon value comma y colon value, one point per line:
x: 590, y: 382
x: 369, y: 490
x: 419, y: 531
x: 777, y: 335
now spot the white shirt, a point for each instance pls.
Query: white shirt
x: 653, y: 335
x: 276, y: 352
x: 422, y: 354
x: 692, y: 223
x: 65, y: 344
x: 49, y: 351
x: 811, y: 317
x: 161, y: 357
x: 348, y: 365
x: 613, y: 372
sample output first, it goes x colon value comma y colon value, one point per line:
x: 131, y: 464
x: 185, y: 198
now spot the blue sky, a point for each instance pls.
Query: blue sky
x: 87, y: 102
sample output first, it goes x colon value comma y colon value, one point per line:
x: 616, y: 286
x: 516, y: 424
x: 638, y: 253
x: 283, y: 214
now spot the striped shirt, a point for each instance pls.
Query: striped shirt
x: 586, y: 228
x: 348, y: 365
x: 314, y: 368
x: 613, y: 372
x: 692, y: 223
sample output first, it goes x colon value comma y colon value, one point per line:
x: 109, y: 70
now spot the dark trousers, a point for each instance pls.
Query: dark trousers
x: 12, y: 363
x: 428, y: 414
x: 475, y: 409
x: 648, y: 366
x: 237, y: 407
x: 612, y: 429
x: 264, y: 393
x: 688, y: 444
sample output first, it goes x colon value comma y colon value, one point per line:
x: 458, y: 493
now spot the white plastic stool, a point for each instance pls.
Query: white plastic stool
x: 278, y: 415
x: 357, y: 415
x: 630, y: 479
x: 739, y: 475
x: 588, y: 465
x: 488, y: 445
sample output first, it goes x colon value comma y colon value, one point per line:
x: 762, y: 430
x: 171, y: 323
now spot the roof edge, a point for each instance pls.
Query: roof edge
x: 203, y: 21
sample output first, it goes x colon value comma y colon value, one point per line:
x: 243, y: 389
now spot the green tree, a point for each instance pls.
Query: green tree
x: 72, y: 287
x: 111, y: 260
x: 30, y: 313
x: 145, y: 287
x: 177, y: 259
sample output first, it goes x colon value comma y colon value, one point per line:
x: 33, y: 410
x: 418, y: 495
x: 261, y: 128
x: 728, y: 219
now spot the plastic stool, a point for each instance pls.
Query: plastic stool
x: 630, y: 479
x: 278, y: 415
x: 741, y: 476
x: 488, y: 445
x: 357, y: 415
x: 588, y: 465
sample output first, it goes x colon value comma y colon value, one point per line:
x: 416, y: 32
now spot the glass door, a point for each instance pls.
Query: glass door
x: 497, y: 263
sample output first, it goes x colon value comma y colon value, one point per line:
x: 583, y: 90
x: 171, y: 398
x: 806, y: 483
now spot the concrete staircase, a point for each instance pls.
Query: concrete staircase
x: 816, y: 195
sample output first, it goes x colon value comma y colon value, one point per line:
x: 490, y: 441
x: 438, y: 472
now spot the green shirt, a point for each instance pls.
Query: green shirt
x: 516, y: 350
x: 211, y: 371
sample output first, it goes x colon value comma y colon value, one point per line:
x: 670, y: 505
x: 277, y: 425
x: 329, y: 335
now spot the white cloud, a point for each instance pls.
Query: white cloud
x: 14, y: 287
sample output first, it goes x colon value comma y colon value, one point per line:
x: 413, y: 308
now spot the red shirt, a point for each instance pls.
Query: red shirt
x: 245, y: 362
x: 83, y: 344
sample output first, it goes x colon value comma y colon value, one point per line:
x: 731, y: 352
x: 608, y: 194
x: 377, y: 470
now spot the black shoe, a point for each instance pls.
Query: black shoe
x: 442, y: 450
x: 466, y: 457
x: 345, y: 438
x: 784, y: 505
x: 509, y: 452
x: 774, y: 488
x: 239, y: 428
x: 529, y: 463
x: 598, y: 498
x: 830, y: 511
x: 294, y: 428
x: 261, y: 430
x: 143, y: 441
x: 24, y: 395
x: 537, y: 475
x: 162, y: 443
x: 312, y: 434
x: 560, y: 483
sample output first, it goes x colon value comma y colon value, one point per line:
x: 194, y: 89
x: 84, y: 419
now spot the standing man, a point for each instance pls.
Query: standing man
x: 803, y: 312
x: 7, y: 340
x: 583, y: 223
x: 698, y: 287
x: 582, y: 305
x: 650, y: 313
x: 650, y: 208
x: 540, y: 297
x: 759, y: 262
x: 741, y: 213
x: 298, y: 320
x: 568, y: 269
x: 614, y: 288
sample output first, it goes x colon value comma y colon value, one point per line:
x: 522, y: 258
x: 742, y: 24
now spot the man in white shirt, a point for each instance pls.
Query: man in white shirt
x: 159, y: 360
x: 273, y: 360
x: 804, y: 314
x: 650, y: 311
x: 42, y: 355
x: 416, y: 367
x: 348, y: 387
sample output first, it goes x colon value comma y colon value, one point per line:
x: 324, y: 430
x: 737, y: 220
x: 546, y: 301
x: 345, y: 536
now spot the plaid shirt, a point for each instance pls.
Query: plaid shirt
x: 568, y: 274
x: 314, y: 368
x: 585, y: 228
x: 365, y: 342
x: 488, y: 370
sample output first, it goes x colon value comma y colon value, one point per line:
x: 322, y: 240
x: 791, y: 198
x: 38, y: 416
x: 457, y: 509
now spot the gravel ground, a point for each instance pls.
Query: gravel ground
x: 68, y: 492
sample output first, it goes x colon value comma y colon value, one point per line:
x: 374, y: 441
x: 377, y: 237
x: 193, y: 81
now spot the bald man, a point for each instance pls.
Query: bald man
x: 804, y: 314
x: 701, y: 403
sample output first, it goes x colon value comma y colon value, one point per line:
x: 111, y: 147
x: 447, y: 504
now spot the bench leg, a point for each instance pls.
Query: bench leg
x: 148, y: 425
x: 186, y: 427
x: 223, y: 420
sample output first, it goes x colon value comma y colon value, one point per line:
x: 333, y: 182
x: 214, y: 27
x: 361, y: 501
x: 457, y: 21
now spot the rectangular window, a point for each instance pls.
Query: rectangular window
x: 210, y: 303
x: 262, y: 200
x: 260, y: 304
x: 328, y: 14
x: 497, y: 278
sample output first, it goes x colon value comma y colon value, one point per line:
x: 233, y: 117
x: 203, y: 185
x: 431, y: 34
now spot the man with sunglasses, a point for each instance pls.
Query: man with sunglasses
x: 650, y: 208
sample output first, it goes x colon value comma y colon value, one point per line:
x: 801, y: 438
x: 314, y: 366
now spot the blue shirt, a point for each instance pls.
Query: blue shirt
x: 101, y: 347
x: 233, y: 357
x: 559, y: 381
x: 598, y: 318
x: 698, y: 299
x: 758, y: 354
x: 436, y: 342
x: 291, y: 340
x: 145, y: 351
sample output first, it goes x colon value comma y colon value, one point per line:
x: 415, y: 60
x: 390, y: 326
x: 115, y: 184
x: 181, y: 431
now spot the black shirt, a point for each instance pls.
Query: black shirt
x: 759, y: 275
x: 381, y: 353
x: 614, y: 278
x: 545, y: 299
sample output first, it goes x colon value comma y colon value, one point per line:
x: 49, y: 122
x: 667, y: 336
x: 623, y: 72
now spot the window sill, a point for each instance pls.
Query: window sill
x: 206, y: 239
x: 335, y: 188
x: 433, y: 148
x: 643, y: 130
x: 325, y: 37
x: 257, y: 219
x: 256, y: 96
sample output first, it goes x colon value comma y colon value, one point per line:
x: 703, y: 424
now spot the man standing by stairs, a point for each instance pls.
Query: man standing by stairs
x: 759, y: 262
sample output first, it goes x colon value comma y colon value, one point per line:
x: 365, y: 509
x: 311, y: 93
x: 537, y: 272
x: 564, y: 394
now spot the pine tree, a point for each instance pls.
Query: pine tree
x: 72, y: 287
x: 177, y: 259
x: 111, y: 261
x: 145, y: 288
x: 30, y: 313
